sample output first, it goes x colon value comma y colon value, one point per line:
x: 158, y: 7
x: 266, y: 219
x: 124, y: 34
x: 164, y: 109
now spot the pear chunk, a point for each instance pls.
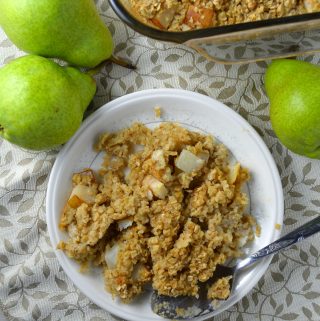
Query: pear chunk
x: 188, y: 162
x: 156, y: 187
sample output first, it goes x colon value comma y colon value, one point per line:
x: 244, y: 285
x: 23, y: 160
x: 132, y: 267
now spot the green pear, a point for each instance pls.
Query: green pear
x: 71, y: 30
x: 42, y: 103
x: 293, y: 88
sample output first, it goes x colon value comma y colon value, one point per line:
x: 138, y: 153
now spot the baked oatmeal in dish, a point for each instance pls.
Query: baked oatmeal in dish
x: 166, y: 208
x: 184, y: 15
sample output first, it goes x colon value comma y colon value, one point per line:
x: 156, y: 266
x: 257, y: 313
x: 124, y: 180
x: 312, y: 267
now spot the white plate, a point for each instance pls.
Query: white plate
x: 197, y: 112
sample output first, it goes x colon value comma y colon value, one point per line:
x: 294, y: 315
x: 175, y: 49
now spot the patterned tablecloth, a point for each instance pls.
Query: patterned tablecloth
x: 33, y: 286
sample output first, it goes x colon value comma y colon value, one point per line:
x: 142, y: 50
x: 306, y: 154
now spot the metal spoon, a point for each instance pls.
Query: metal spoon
x: 172, y: 307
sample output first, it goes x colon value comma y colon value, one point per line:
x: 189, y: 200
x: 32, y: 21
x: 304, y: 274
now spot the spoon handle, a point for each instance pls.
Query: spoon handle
x: 293, y: 237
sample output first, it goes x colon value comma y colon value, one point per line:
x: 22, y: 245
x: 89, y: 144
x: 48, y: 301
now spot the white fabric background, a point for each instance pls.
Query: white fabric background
x: 32, y: 284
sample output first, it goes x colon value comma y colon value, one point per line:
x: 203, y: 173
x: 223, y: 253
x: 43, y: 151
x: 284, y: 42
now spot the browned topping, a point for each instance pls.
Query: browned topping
x: 183, y: 15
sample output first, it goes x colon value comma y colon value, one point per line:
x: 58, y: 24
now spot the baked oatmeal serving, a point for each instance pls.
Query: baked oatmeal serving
x: 165, y: 208
x: 184, y: 15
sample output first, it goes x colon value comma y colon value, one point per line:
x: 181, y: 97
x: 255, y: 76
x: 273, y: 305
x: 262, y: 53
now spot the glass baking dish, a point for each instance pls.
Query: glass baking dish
x: 239, y: 43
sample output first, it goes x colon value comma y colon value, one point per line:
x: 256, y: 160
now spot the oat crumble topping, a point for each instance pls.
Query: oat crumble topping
x: 183, y: 15
x: 166, y: 208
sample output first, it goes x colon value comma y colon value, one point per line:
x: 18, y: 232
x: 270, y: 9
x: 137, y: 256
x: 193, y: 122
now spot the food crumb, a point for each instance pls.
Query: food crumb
x: 220, y: 289
x: 277, y: 226
x: 258, y: 230
x: 158, y: 111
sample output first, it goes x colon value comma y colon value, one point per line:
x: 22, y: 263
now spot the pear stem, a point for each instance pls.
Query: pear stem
x: 122, y: 62
x: 118, y: 61
x: 94, y: 71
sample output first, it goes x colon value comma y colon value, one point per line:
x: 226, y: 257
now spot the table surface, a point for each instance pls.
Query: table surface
x: 32, y: 284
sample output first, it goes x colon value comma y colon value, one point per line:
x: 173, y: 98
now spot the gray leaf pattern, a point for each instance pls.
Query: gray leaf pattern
x: 32, y: 284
